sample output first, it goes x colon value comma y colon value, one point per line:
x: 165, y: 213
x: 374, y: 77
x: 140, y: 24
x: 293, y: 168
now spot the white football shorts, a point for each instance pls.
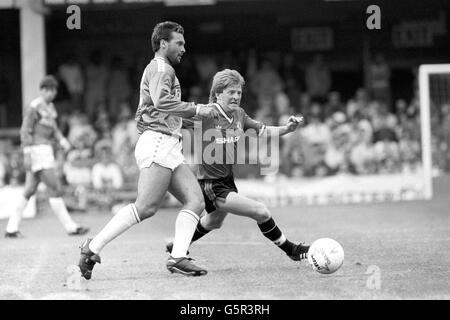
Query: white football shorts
x: 42, y: 157
x: 156, y: 147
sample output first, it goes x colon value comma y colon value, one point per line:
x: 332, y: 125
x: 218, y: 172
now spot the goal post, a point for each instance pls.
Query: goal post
x: 425, y: 98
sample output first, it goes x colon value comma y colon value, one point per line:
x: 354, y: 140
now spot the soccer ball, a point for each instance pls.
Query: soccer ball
x: 326, y: 255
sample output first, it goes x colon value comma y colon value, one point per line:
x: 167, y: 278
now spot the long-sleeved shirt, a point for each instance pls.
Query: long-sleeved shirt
x: 160, y: 107
x: 39, y: 124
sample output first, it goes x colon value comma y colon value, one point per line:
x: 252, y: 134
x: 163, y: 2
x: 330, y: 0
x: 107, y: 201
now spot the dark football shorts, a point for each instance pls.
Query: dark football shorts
x: 216, y: 188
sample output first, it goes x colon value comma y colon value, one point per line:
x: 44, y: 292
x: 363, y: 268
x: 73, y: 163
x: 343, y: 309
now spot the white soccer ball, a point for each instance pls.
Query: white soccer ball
x: 326, y: 255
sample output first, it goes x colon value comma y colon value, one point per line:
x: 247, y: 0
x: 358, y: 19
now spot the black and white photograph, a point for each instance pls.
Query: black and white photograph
x: 224, y: 154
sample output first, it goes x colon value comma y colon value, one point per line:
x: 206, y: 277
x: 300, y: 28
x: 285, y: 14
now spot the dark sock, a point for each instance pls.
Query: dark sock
x: 287, y: 247
x: 273, y: 233
x: 199, y: 232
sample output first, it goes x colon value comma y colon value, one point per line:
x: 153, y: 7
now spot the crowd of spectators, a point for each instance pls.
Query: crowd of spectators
x: 366, y: 134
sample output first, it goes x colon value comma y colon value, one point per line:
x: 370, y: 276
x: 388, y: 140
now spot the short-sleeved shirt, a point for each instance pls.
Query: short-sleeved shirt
x: 39, y: 125
x: 220, y: 140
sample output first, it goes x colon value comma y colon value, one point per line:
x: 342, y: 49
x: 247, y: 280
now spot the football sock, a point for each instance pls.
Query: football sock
x: 59, y: 208
x: 185, y: 225
x: 273, y: 233
x: 122, y: 221
x: 16, y: 216
x: 200, y: 231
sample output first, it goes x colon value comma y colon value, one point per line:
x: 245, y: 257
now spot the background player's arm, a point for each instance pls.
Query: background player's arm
x: 63, y: 142
x: 27, y: 128
x: 26, y: 135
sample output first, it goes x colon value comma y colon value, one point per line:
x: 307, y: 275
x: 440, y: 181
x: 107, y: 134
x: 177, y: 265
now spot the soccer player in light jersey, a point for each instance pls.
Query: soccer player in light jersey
x: 159, y: 157
x: 38, y: 133
x: 216, y: 179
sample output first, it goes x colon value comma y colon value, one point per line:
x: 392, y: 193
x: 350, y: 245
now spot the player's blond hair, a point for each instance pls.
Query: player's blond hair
x: 222, y: 80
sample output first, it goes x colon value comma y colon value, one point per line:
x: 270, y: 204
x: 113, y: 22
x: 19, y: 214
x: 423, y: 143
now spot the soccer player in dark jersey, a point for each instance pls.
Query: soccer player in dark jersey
x: 159, y: 157
x: 216, y: 177
x: 38, y: 133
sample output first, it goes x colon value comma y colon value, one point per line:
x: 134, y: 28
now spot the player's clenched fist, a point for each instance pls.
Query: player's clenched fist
x: 294, y: 122
x: 65, y: 144
x: 207, y: 111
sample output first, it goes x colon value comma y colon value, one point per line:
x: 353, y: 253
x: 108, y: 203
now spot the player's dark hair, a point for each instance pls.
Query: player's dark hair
x: 222, y: 80
x: 163, y: 31
x: 48, y: 81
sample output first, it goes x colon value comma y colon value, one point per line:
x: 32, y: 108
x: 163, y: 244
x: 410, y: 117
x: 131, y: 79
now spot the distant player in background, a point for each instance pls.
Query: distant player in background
x: 159, y: 157
x: 38, y: 133
x: 217, y: 180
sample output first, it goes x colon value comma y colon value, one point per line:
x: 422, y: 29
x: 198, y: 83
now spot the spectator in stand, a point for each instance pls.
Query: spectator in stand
x: 408, y: 123
x: 77, y: 168
x: 359, y: 125
x: 317, y: 138
x: 337, y: 153
x: 316, y: 131
x: 384, y: 124
x: 124, y: 133
x: 118, y: 87
x: 124, y: 138
x: 387, y: 155
x: 102, y: 124
x: 362, y: 154
x: 96, y: 79
x: 293, y: 93
x: 410, y: 152
x: 283, y: 108
x: 106, y: 173
x: 378, y: 79
x: 318, y: 79
x: 293, y: 155
x: 358, y: 103
x: 334, y: 104
x: 71, y: 74
x: 266, y: 81
x: 80, y: 129
x: 304, y: 103
x: 266, y: 111
x: 400, y: 108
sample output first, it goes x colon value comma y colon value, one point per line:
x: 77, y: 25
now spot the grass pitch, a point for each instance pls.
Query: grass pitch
x: 392, y: 251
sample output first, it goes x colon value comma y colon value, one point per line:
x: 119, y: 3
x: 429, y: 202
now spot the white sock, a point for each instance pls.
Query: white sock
x: 16, y: 216
x: 184, y: 230
x: 60, y: 210
x: 122, y: 221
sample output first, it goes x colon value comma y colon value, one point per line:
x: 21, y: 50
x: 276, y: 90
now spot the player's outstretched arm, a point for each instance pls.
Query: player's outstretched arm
x: 293, y: 123
x: 160, y: 85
